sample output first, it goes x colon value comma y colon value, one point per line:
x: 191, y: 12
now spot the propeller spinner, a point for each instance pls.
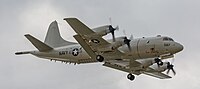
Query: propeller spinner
x: 127, y: 42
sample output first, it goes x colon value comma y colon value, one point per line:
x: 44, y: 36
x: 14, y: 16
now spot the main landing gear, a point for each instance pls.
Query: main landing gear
x: 99, y: 58
x: 130, y: 77
x: 158, y: 61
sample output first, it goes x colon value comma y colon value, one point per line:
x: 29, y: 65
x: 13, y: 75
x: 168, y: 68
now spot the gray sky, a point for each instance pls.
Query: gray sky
x: 179, y: 19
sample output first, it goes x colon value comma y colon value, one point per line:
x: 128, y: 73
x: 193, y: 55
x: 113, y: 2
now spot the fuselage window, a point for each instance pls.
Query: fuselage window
x: 147, y: 41
x: 165, y: 39
x: 171, y: 39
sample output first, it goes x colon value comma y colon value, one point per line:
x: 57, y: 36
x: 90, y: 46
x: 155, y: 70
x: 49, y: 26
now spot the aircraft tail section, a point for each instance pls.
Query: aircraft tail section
x: 20, y: 53
x: 53, y: 37
x: 42, y: 47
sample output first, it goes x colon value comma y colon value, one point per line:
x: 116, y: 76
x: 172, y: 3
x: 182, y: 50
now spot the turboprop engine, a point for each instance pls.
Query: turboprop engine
x: 104, y: 30
x: 120, y: 41
x: 166, y: 66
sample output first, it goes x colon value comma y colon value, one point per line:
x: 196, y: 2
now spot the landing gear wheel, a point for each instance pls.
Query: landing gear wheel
x: 99, y: 58
x: 130, y: 77
x: 160, y: 63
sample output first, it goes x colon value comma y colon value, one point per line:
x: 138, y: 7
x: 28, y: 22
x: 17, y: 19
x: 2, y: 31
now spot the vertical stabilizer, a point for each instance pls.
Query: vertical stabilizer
x: 53, y: 37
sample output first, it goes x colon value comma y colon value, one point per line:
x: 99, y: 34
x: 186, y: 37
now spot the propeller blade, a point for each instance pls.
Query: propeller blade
x: 117, y: 28
x: 112, y: 31
x: 113, y: 36
x: 168, y: 71
x: 131, y: 37
x: 129, y: 47
x: 110, y: 20
x: 127, y: 42
x: 170, y: 67
x: 174, y: 72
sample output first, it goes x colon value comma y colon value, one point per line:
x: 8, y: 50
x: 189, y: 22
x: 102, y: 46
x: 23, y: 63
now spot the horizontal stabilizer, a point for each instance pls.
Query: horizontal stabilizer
x: 42, y: 47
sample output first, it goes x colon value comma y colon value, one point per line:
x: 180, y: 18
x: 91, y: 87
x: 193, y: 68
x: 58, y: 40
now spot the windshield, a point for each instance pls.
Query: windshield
x: 167, y: 39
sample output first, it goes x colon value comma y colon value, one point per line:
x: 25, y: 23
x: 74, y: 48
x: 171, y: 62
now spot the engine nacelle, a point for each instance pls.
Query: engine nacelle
x: 159, y: 68
x: 102, y: 31
x: 146, y: 62
x: 116, y: 45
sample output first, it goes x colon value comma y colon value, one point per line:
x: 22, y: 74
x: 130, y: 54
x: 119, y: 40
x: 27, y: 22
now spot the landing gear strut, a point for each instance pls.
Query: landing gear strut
x: 158, y: 61
x: 130, y: 77
x: 99, y: 58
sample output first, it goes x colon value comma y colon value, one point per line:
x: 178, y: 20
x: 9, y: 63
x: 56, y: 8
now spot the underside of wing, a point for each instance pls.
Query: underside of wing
x: 122, y: 65
x: 134, y: 67
x: 157, y: 75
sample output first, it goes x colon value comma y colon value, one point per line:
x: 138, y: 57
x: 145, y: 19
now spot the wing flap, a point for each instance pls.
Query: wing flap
x: 85, y: 46
x: 116, y: 66
x: 157, y: 75
x: 122, y: 65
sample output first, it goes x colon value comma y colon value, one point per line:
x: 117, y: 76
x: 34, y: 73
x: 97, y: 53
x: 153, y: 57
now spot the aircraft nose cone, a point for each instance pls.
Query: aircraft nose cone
x: 179, y: 47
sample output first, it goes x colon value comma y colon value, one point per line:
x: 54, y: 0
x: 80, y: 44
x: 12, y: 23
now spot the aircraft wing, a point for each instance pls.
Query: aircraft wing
x: 93, y: 43
x: 122, y: 65
x: 157, y: 75
x: 84, y: 31
x: 134, y: 67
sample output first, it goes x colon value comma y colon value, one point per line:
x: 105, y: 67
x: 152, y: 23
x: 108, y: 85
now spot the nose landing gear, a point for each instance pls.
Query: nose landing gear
x: 130, y: 77
x: 158, y: 61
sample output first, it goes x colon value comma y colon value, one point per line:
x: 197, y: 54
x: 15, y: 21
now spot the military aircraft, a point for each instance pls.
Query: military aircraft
x: 135, y: 56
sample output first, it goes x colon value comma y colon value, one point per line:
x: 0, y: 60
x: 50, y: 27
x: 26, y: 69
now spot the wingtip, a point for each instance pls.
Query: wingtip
x: 65, y: 19
x: 27, y: 35
x: 69, y: 18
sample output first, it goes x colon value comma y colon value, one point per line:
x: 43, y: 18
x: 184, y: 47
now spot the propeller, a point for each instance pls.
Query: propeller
x: 127, y: 42
x: 112, y: 31
x: 170, y: 67
x: 158, y: 62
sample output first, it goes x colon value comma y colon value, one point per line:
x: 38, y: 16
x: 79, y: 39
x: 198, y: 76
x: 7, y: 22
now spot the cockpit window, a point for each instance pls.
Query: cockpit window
x: 167, y: 39
x: 171, y: 39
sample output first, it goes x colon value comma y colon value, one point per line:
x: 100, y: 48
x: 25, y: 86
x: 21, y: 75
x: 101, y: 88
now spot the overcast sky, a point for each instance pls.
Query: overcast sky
x: 179, y: 19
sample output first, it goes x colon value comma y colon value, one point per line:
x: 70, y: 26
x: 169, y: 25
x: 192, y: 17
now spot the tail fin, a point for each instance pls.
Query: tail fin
x: 53, y: 37
x: 38, y: 44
